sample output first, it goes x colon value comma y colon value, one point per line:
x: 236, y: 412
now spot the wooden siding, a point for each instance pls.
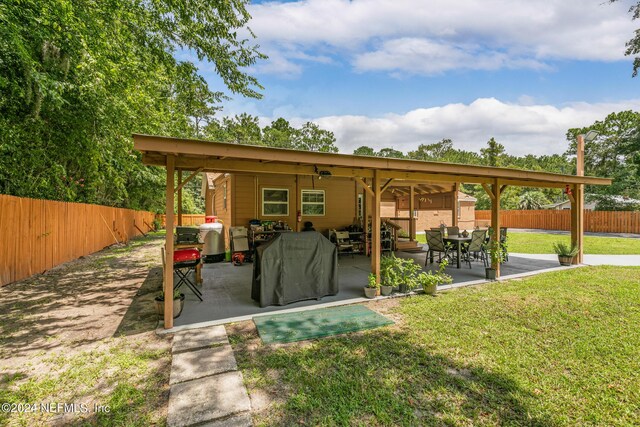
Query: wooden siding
x: 37, y: 235
x: 596, y: 221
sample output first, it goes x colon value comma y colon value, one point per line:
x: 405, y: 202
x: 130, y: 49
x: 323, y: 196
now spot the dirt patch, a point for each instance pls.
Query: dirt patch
x: 74, y: 330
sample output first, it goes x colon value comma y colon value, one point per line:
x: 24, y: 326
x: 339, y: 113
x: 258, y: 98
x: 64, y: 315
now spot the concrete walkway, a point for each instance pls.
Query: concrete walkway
x: 622, y: 260
x: 206, y: 386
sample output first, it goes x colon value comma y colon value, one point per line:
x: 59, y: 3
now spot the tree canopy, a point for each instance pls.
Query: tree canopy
x: 78, y: 77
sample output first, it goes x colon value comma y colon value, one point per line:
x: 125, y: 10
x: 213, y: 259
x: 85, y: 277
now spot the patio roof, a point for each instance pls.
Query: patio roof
x: 206, y: 156
x: 375, y: 174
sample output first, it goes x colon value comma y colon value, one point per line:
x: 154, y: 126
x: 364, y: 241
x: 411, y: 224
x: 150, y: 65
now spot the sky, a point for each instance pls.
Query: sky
x: 399, y: 73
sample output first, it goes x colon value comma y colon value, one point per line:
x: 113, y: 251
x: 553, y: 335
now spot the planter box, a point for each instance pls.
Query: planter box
x: 178, y: 304
x: 490, y: 273
x: 565, y: 260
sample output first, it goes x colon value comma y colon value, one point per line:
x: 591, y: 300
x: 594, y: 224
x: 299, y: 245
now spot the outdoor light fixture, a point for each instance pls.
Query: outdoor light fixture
x: 322, y: 173
x: 590, y: 136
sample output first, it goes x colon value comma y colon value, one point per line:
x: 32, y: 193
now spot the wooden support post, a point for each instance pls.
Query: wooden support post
x: 168, y: 270
x: 180, y: 197
x: 375, y: 226
x: 412, y: 220
x: 495, y: 223
x: 577, y: 205
x: 454, y: 207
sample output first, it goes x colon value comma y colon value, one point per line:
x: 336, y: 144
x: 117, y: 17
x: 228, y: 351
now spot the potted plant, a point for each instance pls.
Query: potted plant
x: 407, y: 270
x: 429, y: 281
x: 388, y: 274
x: 371, y: 289
x: 178, y: 303
x: 497, y: 256
x: 565, y: 252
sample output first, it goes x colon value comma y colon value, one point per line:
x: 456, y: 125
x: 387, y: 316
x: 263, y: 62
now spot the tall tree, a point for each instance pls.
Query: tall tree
x: 279, y: 134
x: 633, y: 45
x: 78, y: 77
x: 363, y: 150
x: 494, y: 153
x: 311, y: 138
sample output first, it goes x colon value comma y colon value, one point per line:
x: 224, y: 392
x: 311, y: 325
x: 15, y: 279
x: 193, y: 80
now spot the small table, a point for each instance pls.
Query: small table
x: 458, y: 240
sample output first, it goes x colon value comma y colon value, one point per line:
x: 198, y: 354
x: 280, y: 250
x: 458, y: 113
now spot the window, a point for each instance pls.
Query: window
x: 275, y: 202
x: 313, y: 202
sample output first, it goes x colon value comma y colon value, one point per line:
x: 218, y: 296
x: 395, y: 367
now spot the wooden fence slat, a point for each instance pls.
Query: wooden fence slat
x: 40, y: 234
x: 596, y: 221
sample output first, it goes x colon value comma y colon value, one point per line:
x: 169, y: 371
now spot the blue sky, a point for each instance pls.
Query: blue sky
x: 399, y: 73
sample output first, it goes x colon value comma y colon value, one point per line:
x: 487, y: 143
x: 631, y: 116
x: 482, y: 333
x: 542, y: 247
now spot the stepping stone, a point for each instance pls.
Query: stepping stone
x: 199, y: 338
x: 207, y: 399
x: 196, y: 364
x: 243, y: 420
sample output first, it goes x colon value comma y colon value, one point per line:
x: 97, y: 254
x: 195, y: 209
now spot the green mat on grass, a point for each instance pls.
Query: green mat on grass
x: 323, y: 322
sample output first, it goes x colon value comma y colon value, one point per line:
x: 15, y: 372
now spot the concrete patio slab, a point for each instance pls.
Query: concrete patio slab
x: 242, y: 420
x: 201, y: 363
x: 227, y: 288
x: 199, y: 338
x: 207, y: 399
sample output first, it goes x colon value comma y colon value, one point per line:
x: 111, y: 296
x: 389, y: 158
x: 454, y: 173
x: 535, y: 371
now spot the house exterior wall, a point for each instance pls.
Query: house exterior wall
x: 340, y: 200
x: 427, y: 219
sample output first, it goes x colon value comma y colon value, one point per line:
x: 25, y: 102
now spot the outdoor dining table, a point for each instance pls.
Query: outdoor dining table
x: 458, y: 241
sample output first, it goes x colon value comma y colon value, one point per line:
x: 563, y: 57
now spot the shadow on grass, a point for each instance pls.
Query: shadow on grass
x: 381, y: 377
x: 141, y: 314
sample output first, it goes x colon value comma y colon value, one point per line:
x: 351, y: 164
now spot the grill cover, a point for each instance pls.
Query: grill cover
x: 294, y: 267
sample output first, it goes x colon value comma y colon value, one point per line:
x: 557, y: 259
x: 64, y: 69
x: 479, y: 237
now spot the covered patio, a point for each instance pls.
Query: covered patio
x: 375, y: 175
x: 227, y: 288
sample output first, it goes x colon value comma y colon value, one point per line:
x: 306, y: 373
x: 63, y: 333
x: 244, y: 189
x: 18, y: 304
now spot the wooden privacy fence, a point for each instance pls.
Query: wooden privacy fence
x: 187, y: 220
x: 36, y: 235
x: 596, y: 221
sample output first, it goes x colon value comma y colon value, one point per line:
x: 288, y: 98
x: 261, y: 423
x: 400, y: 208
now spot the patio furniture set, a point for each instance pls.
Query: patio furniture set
x: 449, y: 243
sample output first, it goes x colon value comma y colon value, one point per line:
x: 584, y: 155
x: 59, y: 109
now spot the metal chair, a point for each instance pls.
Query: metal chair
x: 185, y: 261
x: 476, y: 246
x: 453, y: 231
x: 435, y: 244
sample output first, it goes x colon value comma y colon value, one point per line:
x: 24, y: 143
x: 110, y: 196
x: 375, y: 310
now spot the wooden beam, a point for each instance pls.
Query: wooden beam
x: 375, y: 226
x: 386, y: 185
x: 503, y: 187
x: 388, y: 166
x: 495, y: 223
x: 577, y: 206
x: 489, y: 191
x: 168, y: 269
x: 181, y: 183
x: 454, y: 205
x: 363, y: 184
x: 412, y: 223
x: 179, y: 198
x: 423, y: 176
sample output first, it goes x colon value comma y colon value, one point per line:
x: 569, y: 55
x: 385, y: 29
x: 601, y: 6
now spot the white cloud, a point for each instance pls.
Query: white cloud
x: 522, y: 129
x: 411, y: 35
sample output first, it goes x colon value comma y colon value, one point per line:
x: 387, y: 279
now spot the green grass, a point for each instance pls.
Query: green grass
x: 541, y: 243
x: 123, y: 376
x: 557, y: 349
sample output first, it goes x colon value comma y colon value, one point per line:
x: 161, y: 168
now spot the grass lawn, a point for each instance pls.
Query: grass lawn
x: 550, y: 350
x: 541, y: 243
x: 84, y: 334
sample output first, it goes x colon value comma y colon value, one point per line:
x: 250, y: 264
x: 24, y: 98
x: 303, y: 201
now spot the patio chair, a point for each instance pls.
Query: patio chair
x: 453, y: 231
x: 476, y: 246
x: 185, y: 261
x: 435, y: 244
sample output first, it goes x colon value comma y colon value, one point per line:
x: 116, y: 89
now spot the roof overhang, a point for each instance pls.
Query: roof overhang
x: 228, y: 157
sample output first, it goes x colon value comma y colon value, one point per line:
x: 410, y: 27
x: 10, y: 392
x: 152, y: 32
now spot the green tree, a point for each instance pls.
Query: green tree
x: 363, y: 150
x: 311, y: 138
x: 390, y: 152
x: 243, y: 129
x: 612, y: 154
x: 77, y: 77
x: 279, y: 134
x: 493, y: 154
x: 532, y: 200
x: 633, y: 45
